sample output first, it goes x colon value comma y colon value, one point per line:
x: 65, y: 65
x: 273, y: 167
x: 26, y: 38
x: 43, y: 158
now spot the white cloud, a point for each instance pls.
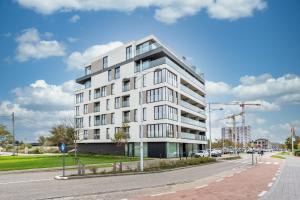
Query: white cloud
x: 78, y: 60
x: 72, y: 39
x: 43, y: 95
x: 265, y: 86
x: 38, y: 107
x: 289, y: 99
x: 74, y: 18
x: 217, y: 88
x: 31, y: 46
x: 168, y: 11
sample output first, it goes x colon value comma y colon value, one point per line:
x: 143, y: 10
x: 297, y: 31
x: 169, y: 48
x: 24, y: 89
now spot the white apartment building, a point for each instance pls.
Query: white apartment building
x: 172, y: 95
x: 229, y: 134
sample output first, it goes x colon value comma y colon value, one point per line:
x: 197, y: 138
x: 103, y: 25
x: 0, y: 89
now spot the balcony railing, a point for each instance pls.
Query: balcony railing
x: 181, y: 71
x: 192, y: 93
x: 147, y: 48
x: 190, y: 121
x: 126, y: 88
x: 125, y: 104
x: 192, y: 107
x: 191, y: 136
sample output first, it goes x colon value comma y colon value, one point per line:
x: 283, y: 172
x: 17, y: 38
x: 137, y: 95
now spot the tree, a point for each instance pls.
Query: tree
x: 121, y: 137
x: 6, y: 135
x: 42, y: 140
x: 62, y: 133
x: 288, y: 142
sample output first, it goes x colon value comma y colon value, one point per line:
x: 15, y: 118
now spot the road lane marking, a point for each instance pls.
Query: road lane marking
x: 229, y: 175
x: 28, y: 181
x: 262, y: 193
x: 159, y: 194
x: 275, y: 163
x: 202, y: 186
x: 274, y: 179
x: 270, y: 184
x: 268, y: 163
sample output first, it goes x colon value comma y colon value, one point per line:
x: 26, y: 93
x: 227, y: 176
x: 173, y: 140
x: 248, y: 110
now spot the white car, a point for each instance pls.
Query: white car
x: 200, y: 153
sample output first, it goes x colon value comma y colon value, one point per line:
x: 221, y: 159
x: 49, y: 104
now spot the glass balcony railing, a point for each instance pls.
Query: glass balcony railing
x: 181, y: 71
x: 192, y: 107
x: 191, y: 136
x: 126, y: 88
x: 190, y: 121
x: 125, y: 104
x: 192, y: 93
x: 146, y: 48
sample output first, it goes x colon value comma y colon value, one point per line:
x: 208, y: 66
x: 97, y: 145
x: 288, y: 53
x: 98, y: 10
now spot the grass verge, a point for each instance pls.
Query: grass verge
x: 278, y: 156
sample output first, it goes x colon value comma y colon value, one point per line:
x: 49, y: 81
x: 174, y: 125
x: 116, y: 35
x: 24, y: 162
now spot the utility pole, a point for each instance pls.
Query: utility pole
x: 293, y: 135
x: 13, y: 131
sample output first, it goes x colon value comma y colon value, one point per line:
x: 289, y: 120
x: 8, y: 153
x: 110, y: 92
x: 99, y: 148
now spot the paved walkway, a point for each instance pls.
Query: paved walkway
x: 287, y: 186
x: 249, y: 183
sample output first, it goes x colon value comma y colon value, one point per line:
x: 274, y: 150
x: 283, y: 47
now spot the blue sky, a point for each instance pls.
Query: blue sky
x: 249, y: 50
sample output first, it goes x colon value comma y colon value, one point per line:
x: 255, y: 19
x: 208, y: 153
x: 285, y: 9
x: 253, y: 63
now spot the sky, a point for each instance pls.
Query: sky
x: 248, y: 50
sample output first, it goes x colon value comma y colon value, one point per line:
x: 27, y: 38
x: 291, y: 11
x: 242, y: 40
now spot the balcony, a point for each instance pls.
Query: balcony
x: 192, y: 107
x: 126, y: 87
x: 146, y: 48
x: 190, y: 136
x: 180, y: 70
x: 125, y: 104
x: 190, y: 121
x: 192, y: 93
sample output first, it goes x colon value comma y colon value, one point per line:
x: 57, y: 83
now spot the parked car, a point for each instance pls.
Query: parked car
x: 200, y: 153
x: 250, y: 151
x: 215, y: 153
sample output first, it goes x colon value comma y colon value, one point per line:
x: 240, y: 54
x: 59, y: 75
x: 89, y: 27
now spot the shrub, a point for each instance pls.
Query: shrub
x: 297, y: 152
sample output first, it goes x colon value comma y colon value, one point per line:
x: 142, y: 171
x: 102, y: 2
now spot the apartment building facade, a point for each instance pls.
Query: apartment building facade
x: 229, y: 134
x: 141, y: 87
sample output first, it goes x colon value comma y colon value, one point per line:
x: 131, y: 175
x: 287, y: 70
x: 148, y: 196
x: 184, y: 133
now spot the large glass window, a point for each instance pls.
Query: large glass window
x: 126, y: 85
x: 103, y: 119
x: 165, y: 112
x: 165, y: 75
x: 97, y: 120
x: 128, y: 52
x: 117, y: 72
x: 107, y: 104
x: 79, y: 98
x: 159, y: 94
x: 161, y: 130
x: 87, y: 84
x: 103, y: 91
x: 144, y: 114
x: 97, y: 107
x: 97, y: 134
x: 125, y: 101
x: 105, y: 62
x: 97, y: 93
x: 126, y: 116
x: 117, y: 102
x: 113, y: 89
x: 85, y: 134
x: 85, y: 108
x: 79, y: 122
x: 109, y: 75
x: 77, y: 110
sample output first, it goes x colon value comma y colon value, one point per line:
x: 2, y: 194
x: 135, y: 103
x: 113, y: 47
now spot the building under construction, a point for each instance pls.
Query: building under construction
x: 228, y: 133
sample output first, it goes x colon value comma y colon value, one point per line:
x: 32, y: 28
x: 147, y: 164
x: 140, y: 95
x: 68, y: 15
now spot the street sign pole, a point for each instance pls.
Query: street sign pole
x: 62, y: 149
x: 63, y: 164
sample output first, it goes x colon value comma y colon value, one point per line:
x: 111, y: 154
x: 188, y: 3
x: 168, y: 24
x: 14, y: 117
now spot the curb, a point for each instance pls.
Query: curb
x: 126, y: 174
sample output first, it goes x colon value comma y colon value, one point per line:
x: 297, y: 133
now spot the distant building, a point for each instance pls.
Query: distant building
x: 228, y: 134
x: 263, y: 143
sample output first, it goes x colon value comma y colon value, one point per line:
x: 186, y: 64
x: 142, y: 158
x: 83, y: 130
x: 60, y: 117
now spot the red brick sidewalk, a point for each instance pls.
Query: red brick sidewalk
x: 247, y: 184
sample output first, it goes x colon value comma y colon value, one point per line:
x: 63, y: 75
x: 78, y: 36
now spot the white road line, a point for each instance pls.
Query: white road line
x: 262, y: 193
x: 159, y: 194
x: 275, y: 163
x: 229, y: 175
x: 202, y: 186
x: 268, y: 163
x: 270, y: 184
x: 219, y: 180
x: 28, y: 181
x: 274, y: 179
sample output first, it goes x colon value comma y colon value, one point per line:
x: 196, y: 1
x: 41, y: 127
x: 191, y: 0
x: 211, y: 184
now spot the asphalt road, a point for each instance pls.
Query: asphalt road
x: 41, y: 185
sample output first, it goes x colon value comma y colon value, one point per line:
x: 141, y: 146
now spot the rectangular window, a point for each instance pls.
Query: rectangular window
x: 90, y: 95
x: 97, y: 93
x: 135, y: 83
x: 105, y: 62
x: 117, y: 102
x: 96, y: 134
x: 79, y: 122
x: 77, y: 110
x: 125, y: 101
x: 87, y: 84
x: 107, y: 104
x: 113, y: 89
x: 103, y: 91
x: 90, y: 119
x: 85, y: 134
x: 103, y: 119
x: 112, y: 118
x: 97, y: 120
x: 144, y: 80
x: 135, y: 117
x: 97, y: 107
x: 160, y: 130
x: 128, y: 52
x: 144, y: 114
x: 79, y: 98
x: 117, y: 72
x: 107, y: 134
x: 126, y: 116
x: 85, y: 108
x: 109, y: 75
x: 126, y: 85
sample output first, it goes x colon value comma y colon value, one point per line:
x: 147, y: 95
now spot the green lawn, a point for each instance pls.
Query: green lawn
x: 42, y: 161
